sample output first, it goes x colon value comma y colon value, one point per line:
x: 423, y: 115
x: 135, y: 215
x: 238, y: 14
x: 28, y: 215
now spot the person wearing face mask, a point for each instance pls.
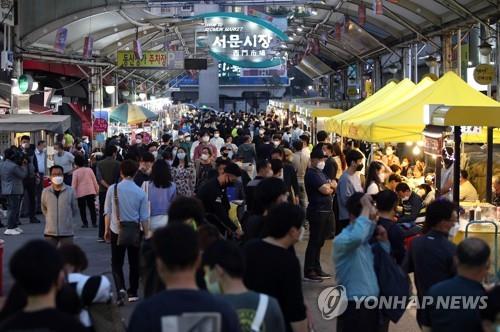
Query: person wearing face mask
x: 153, y: 149
x: 410, y: 202
x: 29, y: 182
x: 273, y: 268
x: 390, y: 158
x: 204, y: 142
x: 184, y: 142
x: 225, y: 154
x: 183, y: 174
x: 204, y: 166
x: 348, y: 184
x: 264, y: 170
x: 246, y: 151
x: 138, y: 148
x: 319, y: 191
x: 59, y: 208
x: 224, y: 270
x: 264, y: 150
x: 217, y: 141
x: 258, y: 139
x: 375, y: 179
x: 65, y: 160
x: 145, y: 165
x: 431, y: 257
x: 85, y: 185
x: 213, y: 195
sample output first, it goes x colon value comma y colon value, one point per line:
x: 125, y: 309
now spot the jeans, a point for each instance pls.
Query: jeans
x: 318, y: 226
x: 355, y: 320
x: 102, y: 199
x: 14, y: 204
x: 83, y: 203
x: 117, y: 260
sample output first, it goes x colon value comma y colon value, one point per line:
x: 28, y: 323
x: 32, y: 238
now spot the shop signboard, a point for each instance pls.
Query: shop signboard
x: 150, y: 60
x: 175, y: 60
x: 60, y: 41
x: 7, y: 10
x: 433, y: 145
x: 100, y: 124
x: 484, y: 74
x: 242, y: 40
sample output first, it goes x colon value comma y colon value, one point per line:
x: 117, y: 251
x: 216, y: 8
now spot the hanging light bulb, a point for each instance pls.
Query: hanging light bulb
x: 409, y: 143
x: 416, y: 151
x: 110, y: 89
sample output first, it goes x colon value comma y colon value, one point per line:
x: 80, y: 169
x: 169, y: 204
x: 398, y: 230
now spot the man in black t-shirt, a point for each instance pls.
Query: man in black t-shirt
x: 319, y: 191
x: 272, y: 267
x: 182, y: 307
x: 38, y: 269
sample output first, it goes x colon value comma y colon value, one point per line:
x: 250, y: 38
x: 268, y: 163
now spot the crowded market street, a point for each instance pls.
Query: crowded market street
x: 249, y: 166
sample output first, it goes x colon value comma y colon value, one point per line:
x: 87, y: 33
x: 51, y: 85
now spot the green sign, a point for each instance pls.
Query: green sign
x: 242, y: 40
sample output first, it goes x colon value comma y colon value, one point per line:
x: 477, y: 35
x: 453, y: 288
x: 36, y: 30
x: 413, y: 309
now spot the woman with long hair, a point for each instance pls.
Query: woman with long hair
x: 183, y: 173
x: 161, y: 192
x: 339, y: 158
x: 375, y: 179
x: 85, y: 185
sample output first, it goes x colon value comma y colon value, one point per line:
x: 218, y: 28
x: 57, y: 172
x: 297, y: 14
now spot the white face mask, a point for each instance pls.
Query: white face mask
x: 276, y: 143
x: 216, y: 135
x: 25, y: 145
x: 138, y: 141
x: 389, y: 152
x: 57, y: 180
x: 320, y: 165
x: 262, y: 132
x: 454, y: 230
x: 188, y: 139
x: 155, y: 154
x: 205, y: 139
x: 181, y: 155
x: 230, y: 154
x: 204, y: 157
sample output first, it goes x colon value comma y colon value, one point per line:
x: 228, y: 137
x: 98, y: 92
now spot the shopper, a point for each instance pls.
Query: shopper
x: 300, y: 163
x: 59, y: 208
x: 272, y: 269
x: 161, y: 192
x: 177, y: 258
x: 29, y: 182
x: 217, y: 141
x: 349, y: 183
x: 410, y: 202
x: 264, y: 170
x: 37, y: 268
x: 375, y: 179
x: 467, y: 191
x: 107, y: 173
x: 319, y: 213
x: 85, y: 185
x: 144, y: 172
x: 40, y: 171
x: 126, y: 204
x: 496, y: 190
x: 354, y: 263
x: 393, y: 180
x: 246, y: 151
x: 224, y: 270
x: 431, y: 257
x: 204, y: 143
x: 183, y: 173
x: 13, y: 171
x: 65, y: 160
x: 204, y: 166
x: 473, y: 258
x: 289, y: 175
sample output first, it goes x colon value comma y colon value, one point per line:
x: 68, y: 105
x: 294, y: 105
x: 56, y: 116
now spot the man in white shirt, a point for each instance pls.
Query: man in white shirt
x: 65, y: 160
x: 467, y: 191
x: 41, y: 166
x: 217, y: 141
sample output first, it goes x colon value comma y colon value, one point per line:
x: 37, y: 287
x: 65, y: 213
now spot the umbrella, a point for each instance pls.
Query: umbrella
x: 131, y: 114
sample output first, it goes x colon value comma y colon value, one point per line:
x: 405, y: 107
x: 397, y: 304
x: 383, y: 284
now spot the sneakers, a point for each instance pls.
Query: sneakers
x: 133, y: 298
x: 19, y: 230
x: 121, y: 298
x: 12, y: 231
x: 312, y: 277
x: 323, y: 275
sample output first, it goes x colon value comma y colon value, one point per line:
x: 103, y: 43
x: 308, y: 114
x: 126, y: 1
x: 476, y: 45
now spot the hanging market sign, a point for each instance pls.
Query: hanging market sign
x: 100, y: 124
x: 484, y: 74
x: 241, y: 40
x: 150, y: 60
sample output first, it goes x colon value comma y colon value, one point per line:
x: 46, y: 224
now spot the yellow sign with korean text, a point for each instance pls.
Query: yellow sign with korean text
x: 150, y: 60
x: 484, y: 74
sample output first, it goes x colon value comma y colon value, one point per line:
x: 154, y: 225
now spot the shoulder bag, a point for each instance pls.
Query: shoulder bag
x: 129, y: 231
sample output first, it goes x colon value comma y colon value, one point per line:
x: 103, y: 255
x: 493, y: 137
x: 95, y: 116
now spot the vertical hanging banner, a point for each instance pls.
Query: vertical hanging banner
x: 7, y: 11
x: 88, y: 45
x: 60, y: 42
x: 362, y: 13
x: 324, y: 38
x: 138, y: 49
x: 338, y: 31
x: 379, y: 7
x: 315, y: 46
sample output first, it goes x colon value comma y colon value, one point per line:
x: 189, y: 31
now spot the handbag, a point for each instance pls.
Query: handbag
x: 129, y: 233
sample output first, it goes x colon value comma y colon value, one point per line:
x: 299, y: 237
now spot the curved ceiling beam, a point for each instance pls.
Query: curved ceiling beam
x: 376, y: 23
x: 106, y: 51
x: 34, y: 35
x: 419, y: 11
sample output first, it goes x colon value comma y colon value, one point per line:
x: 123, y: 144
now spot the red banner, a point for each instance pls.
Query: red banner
x: 100, y: 125
x: 88, y: 45
x: 379, y: 7
x: 362, y: 14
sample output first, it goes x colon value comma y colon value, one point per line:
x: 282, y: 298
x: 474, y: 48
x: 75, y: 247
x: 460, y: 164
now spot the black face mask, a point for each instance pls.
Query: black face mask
x: 359, y: 168
x: 225, y: 154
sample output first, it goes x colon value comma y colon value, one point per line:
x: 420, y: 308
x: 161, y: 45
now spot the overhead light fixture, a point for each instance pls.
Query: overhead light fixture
x: 299, y: 29
x: 431, y: 61
x: 143, y: 96
x: 110, y: 89
x: 294, y: 34
x: 485, y: 48
x: 310, y: 87
x: 314, y: 13
x: 416, y: 151
x: 34, y: 86
x: 392, y: 69
x: 125, y: 93
x: 290, y: 37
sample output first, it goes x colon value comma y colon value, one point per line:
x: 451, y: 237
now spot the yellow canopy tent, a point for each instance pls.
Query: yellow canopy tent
x: 405, y: 122
x: 325, y: 112
x: 334, y: 124
x: 351, y: 127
